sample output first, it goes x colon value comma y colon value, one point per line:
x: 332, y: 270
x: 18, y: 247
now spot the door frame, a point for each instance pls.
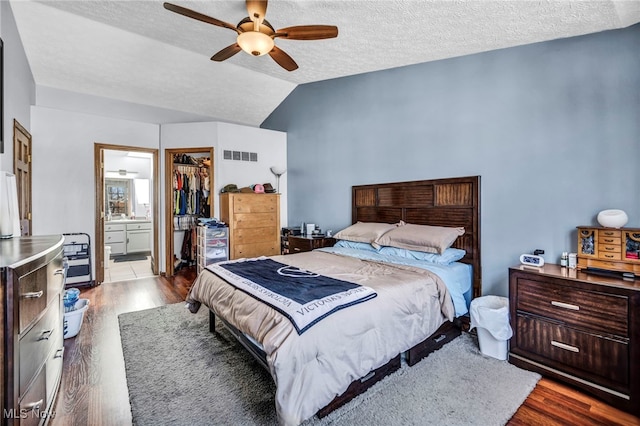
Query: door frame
x: 22, y: 162
x: 168, y: 197
x: 98, y: 156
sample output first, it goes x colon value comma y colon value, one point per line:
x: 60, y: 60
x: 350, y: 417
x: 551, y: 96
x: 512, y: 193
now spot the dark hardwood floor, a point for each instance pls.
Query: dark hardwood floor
x: 94, y: 386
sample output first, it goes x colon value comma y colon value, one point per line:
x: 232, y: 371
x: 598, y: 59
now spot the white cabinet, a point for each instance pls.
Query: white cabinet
x: 115, y: 237
x: 138, y: 237
x: 128, y: 237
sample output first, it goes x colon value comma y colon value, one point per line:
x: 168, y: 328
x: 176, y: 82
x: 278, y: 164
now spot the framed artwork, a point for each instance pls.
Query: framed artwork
x: 1, y: 97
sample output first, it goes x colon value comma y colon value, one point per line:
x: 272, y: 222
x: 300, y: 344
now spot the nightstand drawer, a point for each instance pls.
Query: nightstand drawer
x: 601, y: 360
x: 589, y: 310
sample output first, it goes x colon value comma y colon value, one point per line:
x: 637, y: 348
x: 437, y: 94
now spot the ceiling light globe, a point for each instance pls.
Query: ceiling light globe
x: 255, y: 43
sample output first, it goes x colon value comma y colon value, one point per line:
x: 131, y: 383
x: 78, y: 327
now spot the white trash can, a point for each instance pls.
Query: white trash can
x: 490, y: 315
x: 107, y: 256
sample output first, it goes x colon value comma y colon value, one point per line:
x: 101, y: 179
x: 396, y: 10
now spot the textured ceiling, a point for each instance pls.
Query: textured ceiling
x: 139, y: 52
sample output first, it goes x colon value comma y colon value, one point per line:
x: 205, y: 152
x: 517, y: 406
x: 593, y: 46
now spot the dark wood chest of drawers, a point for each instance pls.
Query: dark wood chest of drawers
x: 32, y: 327
x: 298, y: 244
x: 579, y: 328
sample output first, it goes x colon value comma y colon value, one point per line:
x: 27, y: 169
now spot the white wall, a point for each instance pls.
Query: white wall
x: 271, y: 147
x: 63, y: 160
x: 19, y: 86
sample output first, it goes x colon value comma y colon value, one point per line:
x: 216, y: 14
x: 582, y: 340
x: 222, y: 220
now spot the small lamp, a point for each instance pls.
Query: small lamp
x: 278, y: 171
x: 612, y: 218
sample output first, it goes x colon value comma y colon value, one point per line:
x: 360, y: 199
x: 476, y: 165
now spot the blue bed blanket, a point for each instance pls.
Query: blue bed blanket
x: 302, y: 296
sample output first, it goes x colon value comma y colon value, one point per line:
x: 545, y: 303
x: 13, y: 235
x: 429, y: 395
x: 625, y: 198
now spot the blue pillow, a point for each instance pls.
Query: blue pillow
x: 355, y: 245
x: 450, y: 255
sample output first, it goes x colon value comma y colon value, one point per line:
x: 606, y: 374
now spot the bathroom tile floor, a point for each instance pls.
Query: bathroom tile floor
x: 123, y: 271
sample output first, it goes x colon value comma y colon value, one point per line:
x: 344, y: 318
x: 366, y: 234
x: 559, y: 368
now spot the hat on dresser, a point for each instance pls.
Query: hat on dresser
x: 232, y: 187
x: 268, y: 188
x: 246, y: 189
x: 258, y: 188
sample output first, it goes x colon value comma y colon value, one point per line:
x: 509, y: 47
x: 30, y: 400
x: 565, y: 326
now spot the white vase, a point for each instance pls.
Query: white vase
x: 612, y: 218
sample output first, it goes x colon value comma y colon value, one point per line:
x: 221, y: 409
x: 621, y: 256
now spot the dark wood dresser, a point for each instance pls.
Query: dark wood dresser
x: 300, y: 243
x: 32, y: 327
x: 580, y: 328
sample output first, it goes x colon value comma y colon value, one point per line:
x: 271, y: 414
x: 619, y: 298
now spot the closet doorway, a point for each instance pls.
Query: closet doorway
x: 188, y: 196
x: 127, y: 212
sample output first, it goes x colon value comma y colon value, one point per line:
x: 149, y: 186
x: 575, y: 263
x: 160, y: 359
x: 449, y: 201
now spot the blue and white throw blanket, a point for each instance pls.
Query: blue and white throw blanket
x: 302, y: 296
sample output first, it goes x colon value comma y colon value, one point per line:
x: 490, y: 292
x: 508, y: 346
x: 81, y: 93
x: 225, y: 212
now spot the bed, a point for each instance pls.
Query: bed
x: 345, y: 353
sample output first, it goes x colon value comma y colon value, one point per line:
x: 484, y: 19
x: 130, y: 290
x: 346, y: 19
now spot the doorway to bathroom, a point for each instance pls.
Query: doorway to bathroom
x: 126, y: 212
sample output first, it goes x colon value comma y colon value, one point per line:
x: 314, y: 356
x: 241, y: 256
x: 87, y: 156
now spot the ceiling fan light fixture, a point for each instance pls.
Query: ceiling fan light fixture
x: 255, y: 43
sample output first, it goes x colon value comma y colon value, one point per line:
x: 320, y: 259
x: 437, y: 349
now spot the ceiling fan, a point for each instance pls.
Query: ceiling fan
x: 256, y: 35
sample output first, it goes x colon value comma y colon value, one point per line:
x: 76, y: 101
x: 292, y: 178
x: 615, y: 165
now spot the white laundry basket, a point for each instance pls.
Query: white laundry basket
x: 73, y: 319
x: 490, y: 315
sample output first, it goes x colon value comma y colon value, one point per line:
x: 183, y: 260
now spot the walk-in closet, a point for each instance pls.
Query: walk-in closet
x: 189, y: 184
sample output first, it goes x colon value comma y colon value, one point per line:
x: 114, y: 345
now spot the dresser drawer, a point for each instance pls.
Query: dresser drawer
x: 33, y: 295
x: 615, y: 241
x: 256, y: 235
x: 33, y: 404
x: 597, y: 312
x: 601, y: 360
x: 609, y: 233
x: 255, y: 203
x: 255, y: 220
x: 54, y: 365
x: 609, y: 255
x: 36, y: 344
x: 255, y: 250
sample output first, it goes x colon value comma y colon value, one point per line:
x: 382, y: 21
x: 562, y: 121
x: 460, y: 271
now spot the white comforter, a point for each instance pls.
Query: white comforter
x: 311, y: 369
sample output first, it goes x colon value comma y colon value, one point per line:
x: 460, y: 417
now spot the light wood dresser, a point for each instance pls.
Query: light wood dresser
x: 32, y: 327
x: 580, y: 328
x: 254, y: 223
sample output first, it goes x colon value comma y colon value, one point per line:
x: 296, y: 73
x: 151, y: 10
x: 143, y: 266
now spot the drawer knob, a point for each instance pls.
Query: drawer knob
x: 565, y: 305
x: 45, y: 335
x: 33, y: 294
x: 565, y: 346
x: 59, y: 353
x: 32, y: 405
x: 609, y: 248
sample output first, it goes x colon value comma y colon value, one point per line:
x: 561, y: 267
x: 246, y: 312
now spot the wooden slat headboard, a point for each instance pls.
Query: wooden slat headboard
x: 437, y: 202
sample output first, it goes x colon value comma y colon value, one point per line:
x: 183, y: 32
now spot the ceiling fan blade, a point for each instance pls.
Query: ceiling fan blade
x: 308, y: 32
x: 226, y: 53
x: 199, y: 16
x: 283, y: 59
x: 257, y: 9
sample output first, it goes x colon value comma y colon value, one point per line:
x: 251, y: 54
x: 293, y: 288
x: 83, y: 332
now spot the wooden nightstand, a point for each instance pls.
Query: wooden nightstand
x: 302, y: 243
x: 580, y: 328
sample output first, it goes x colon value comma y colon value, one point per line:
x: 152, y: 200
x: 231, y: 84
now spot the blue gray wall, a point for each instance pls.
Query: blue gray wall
x: 552, y: 128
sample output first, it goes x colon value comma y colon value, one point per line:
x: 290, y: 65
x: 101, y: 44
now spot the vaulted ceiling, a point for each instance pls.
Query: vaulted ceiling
x: 139, y: 52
